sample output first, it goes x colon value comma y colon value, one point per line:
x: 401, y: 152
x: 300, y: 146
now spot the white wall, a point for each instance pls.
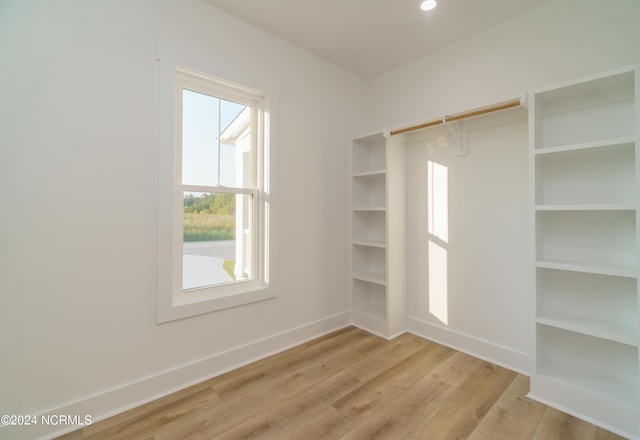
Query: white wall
x: 560, y: 40
x: 79, y: 190
x: 490, y: 297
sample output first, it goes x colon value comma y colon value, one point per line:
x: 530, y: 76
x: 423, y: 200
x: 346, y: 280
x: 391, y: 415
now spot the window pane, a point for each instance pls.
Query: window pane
x: 215, y: 138
x: 216, y: 239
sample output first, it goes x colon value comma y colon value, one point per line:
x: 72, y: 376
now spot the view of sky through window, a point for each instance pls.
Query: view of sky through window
x: 205, y: 161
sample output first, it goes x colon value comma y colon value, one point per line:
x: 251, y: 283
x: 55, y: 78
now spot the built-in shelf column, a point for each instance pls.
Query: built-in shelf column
x: 377, y: 248
x: 584, y: 159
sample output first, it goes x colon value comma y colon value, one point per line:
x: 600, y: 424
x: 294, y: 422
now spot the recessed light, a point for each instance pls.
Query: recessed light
x: 427, y: 5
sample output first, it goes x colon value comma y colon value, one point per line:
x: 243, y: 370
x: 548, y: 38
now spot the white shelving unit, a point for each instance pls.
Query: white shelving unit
x: 584, y: 155
x: 378, y: 235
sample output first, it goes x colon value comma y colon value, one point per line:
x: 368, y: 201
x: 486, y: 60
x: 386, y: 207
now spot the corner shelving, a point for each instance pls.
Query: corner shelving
x: 377, y: 287
x: 585, y: 170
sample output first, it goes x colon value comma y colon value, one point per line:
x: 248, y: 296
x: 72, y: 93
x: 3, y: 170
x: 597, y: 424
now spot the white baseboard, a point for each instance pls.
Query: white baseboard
x: 480, y: 348
x: 127, y: 396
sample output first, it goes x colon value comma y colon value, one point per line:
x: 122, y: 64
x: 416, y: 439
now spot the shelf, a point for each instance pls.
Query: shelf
x: 369, y: 154
x: 586, y: 125
x: 371, y: 277
x: 604, y: 306
x: 369, y: 190
x: 604, y: 239
x: 586, y: 112
x: 369, y: 264
x: 606, y: 143
x: 601, y: 329
x: 369, y: 298
x: 589, y: 92
x: 566, y: 375
x: 375, y: 244
x: 369, y: 208
x: 598, y: 175
x: 370, y: 173
x: 369, y: 226
x: 619, y: 270
x: 600, y: 365
x: 591, y: 207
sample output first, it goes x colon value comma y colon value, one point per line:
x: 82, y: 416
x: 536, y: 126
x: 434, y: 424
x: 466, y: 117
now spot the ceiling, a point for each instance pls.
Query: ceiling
x: 370, y: 37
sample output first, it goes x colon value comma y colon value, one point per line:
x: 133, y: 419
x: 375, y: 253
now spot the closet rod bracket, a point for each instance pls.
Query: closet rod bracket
x: 460, y: 137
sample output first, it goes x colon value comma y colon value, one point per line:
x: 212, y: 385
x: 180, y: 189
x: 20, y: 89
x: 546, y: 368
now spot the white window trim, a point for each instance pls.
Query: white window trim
x: 172, y: 302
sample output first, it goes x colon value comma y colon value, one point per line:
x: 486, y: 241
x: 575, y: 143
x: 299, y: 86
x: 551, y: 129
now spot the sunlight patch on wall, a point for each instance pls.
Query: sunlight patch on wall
x: 438, y: 294
x: 438, y: 228
x: 438, y: 202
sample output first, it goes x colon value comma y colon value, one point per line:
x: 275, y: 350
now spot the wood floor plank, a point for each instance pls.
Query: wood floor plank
x: 144, y: 410
x: 271, y: 423
x: 371, y: 344
x: 255, y: 377
x: 261, y: 363
x: 400, y: 414
x: 151, y: 421
x: 556, y: 425
x: 512, y: 418
x: 414, y: 367
x: 363, y: 402
x: 459, y: 415
x: 351, y: 385
x: 475, y: 435
x: 325, y: 423
x: 456, y: 369
x: 387, y: 356
x: 235, y: 411
x: 377, y: 392
x: 520, y: 386
x: 402, y: 374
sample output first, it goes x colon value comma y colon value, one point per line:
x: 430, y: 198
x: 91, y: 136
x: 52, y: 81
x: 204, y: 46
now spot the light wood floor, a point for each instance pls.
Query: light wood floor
x: 352, y: 385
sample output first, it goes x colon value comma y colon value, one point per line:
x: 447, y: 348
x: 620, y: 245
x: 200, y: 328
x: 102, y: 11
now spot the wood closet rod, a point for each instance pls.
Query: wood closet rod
x: 469, y: 114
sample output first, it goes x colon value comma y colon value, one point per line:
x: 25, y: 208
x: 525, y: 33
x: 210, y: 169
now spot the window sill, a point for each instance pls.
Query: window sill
x: 197, y: 302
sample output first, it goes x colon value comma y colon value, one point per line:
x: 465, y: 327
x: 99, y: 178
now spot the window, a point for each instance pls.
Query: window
x: 219, y: 246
